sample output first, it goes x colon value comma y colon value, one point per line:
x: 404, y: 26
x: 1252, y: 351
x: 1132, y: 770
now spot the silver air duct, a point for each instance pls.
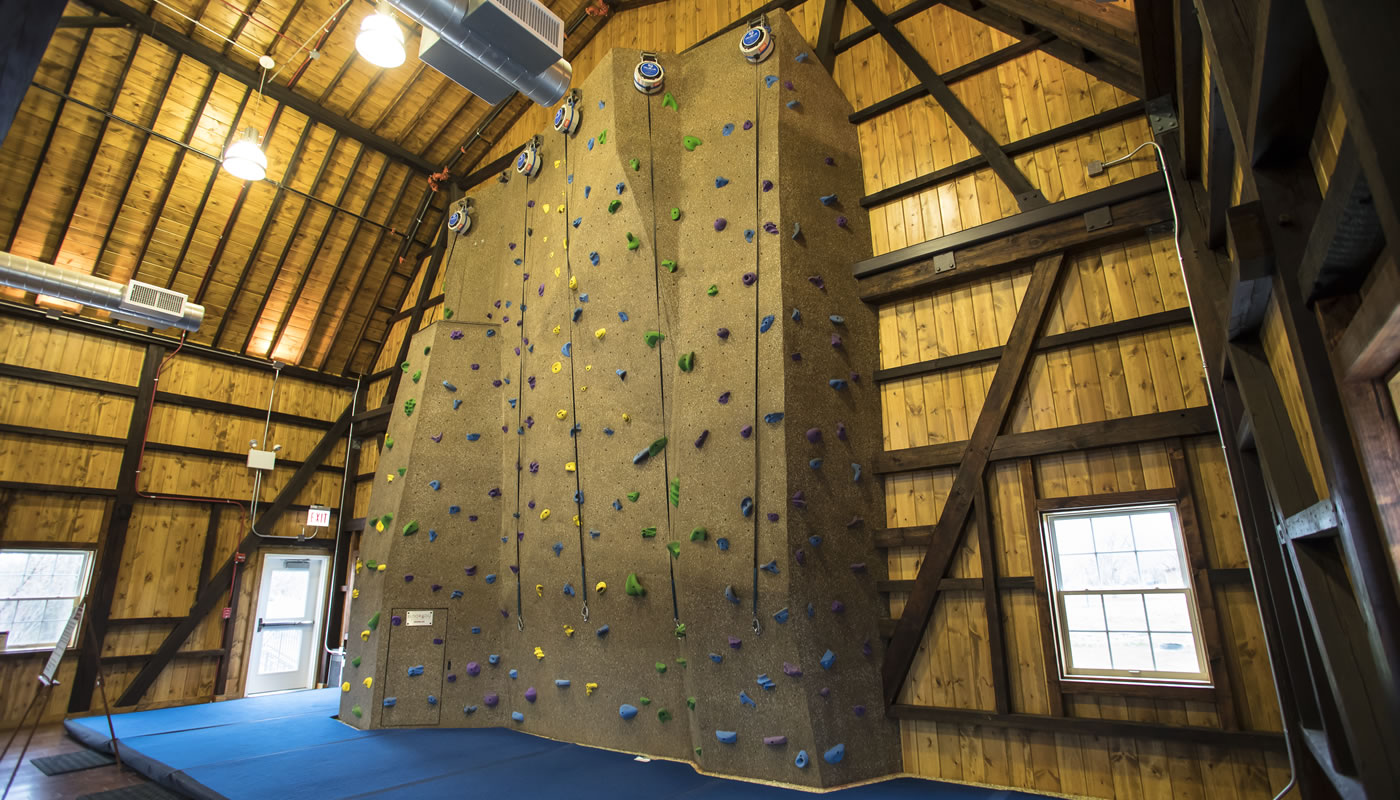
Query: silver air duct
x: 494, y: 47
x: 136, y: 302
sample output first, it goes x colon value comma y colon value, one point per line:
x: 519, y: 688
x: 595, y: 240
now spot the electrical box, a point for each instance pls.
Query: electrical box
x: 262, y: 459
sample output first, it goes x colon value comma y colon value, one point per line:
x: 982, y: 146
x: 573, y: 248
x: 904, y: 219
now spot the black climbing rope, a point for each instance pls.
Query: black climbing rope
x: 573, y: 401
x: 519, y: 418
x: 757, y: 199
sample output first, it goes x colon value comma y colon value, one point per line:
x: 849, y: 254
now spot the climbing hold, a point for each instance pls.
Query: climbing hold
x: 775, y: 741
x: 722, y: 333
x: 801, y: 760
x: 841, y: 222
x: 634, y: 586
x: 675, y: 213
x: 794, y: 104
x: 746, y: 506
x: 769, y: 80
x: 633, y: 496
x: 661, y: 667
x: 600, y: 587
x: 766, y: 682
x: 722, y: 543
x: 700, y: 440
x: 544, y: 515
x: 577, y: 221
x: 417, y: 375
x: 766, y: 323
x: 727, y: 737
x: 473, y: 668
x: 749, y: 278
x: 648, y: 533
x: 668, y: 265
x: 539, y: 653
x: 731, y: 595
x: 603, y: 631
x: 771, y: 566
x: 668, y: 100
x: 828, y: 658
x: 589, y: 688
x: 716, y: 657
x: 691, y: 142
x: 593, y: 258
x: 345, y: 687
x: 531, y: 694
x: 603, y: 137
x: 491, y: 699
x: 357, y: 711
x: 837, y: 384
x: 721, y: 223
x: 828, y: 199
x: 687, y: 361
x: 724, y: 398
x: 746, y: 700
x: 836, y: 341
x: 646, y: 701
x: 748, y: 235
x: 390, y: 702
x: 675, y: 548
x: 721, y: 182
x: 792, y: 670
x: 727, y: 129
x: 408, y: 406
x: 663, y: 715
x: 633, y: 242
x: 859, y: 711
x: 652, y: 337
x: 773, y: 418
x: 517, y: 716
x: 781, y: 616
x: 746, y: 432
x: 675, y: 493
x: 699, y: 535
x: 614, y: 205
x: 835, y: 754
x: 838, y: 607
x: 373, y: 622
x: 735, y: 643
x: 801, y: 558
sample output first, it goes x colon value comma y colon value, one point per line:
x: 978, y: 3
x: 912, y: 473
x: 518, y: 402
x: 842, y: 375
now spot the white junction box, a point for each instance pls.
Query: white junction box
x: 262, y: 459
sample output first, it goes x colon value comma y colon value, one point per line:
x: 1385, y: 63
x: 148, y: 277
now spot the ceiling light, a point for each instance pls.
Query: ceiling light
x: 381, y: 39
x: 245, y: 158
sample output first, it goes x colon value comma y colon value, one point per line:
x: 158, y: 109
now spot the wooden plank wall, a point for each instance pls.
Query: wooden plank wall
x: 160, y: 566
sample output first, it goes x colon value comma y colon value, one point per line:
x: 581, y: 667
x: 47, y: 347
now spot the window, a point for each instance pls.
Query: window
x: 1124, y: 606
x: 38, y: 591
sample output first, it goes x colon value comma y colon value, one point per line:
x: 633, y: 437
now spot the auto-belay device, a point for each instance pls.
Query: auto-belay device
x: 528, y: 162
x: 649, y: 75
x: 757, y: 42
x: 459, y: 220
x: 568, y: 116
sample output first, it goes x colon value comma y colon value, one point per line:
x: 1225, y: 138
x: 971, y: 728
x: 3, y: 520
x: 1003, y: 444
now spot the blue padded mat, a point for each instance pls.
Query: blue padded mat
x: 92, y: 731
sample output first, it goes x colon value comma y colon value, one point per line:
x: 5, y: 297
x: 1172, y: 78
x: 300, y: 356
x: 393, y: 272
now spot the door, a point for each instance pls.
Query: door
x: 287, y: 627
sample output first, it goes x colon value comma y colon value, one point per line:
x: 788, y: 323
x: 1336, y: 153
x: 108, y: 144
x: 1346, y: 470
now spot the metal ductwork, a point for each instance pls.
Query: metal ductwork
x: 136, y: 302
x: 494, y: 47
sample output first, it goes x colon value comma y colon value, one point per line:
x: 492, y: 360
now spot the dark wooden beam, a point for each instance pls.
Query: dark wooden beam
x: 1370, y: 345
x: 1219, y: 169
x: 91, y: 22
x: 55, y: 488
x: 1346, y: 237
x: 1049, y: 652
x: 64, y: 379
x: 104, y: 580
x: 1072, y: 130
x: 250, y: 77
x: 991, y: 600
x: 907, y: 11
x: 833, y: 12
x: 151, y: 447
x: 1010, y: 372
x: 1087, y: 435
x: 1187, y: 35
x: 1286, y: 84
x: 211, y: 543
x: 213, y: 590
x: 1251, y: 270
x: 1136, y: 497
x: 1104, y: 728
x: 1081, y: 34
x: 1028, y: 44
x: 233, y: 409
x: 1156, y: 23
x: 1027, y: 196
x: 1093, y: 333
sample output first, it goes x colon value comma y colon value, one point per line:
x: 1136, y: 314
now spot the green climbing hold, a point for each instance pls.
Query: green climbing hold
x: 646, y: 701
x: 408, y: 406
x: 386, y: 519
x: 661, y: 667
x: 402, y: 470
x: 712, y: 291
x: 697, y: 751
x: 675, y: 213
x: 404, y: 366
x: 649, y: 533
x: 699, y: 535
x: 411, y: 528
x: 652, y: 337
x: 447, y: 313
x: 614, y: 205
x: 687, y: 361
x: 676, y: 492
x: 388, y: 443
x: 357, y: 711
x: 633, y: 242
x: 692, y: 142
x: 371, y: 564
x: 663, y: 715
x: 427, y: 350
x: 690, y: 703
x: 669, y: 265
x: 675, y: 548
x: 635, y: 165
x: 603, y: 137
x: 680, y: 630
x: 355, y: 662
x: 373, y: 621
x: 657, y: 446
x: 681, y: 662
x: 634, y: 586
x: 669, y: 101
x: 633, y: 496
x: 417, y: 375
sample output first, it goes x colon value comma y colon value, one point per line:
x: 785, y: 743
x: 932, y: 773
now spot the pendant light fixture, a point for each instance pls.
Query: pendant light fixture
x: 381, y: 39
x: 245, y: 159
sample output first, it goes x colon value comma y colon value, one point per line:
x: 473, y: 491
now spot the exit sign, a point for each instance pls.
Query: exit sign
x: 318, y: 517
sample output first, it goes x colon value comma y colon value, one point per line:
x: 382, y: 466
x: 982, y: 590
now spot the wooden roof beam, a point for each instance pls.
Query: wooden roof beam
x: 250, y: 77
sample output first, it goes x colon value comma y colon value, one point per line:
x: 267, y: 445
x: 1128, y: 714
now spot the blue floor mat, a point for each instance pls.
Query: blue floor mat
x: 92, y: 731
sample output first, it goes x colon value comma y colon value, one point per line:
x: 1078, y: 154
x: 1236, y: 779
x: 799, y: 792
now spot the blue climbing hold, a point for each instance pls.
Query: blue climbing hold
x: 801, y: 57
x: 603, y: 631
x: 727, y: 737
x: 721, y: 182
x: 835, y: 754
x: 435, y: 484
x: 793, y: 104
x: 590, y: 147
x: 766, y: 682
x: 515, y: 673
x: 593, y: 258
x: 586, y: 190
x: 620, y: 187
x: 608, y: 431
x: 811, y: 611
x: 746, y: 506
x: 815, y: 541
x: 491, y: 578
x: 771, y: 566
x: 578, y: 221
x: 769, y: 80
x: 621, y: 373
x: 855, y: 469
x: 748, y: 235
x: 801, y: 761
x: 746, y: 700
x: 837, y: 319
x: 449, y: 387
x: 517, y: 716
x: 781, y: 616
x: 731, y: 595
x: 456, y: 403
x: 722, y: 543
x: 627, y: 711
x: 476, y: 629
x: 568, y: 348
x: 471, y: 437
x: 766, y: 323
x: 828, y: 658
x: 493, y: 659
x: 815, y: 463
x: 558, y: 548
x: 583, y: 298
x: 727, y: 129
x: 578, y: 312
x: 773, y: 418
x: 836, y: 383
x: 568, y: 590
x: 432, y: 699
x: 390, y: 702
x: 469, y: 709
x: 578, y: 497
x: 594, y: 534
x: 432, y: 535
x: 828, y: 199
x: 418, y: 670
x: 797, y: 315
x: 617, y: 505
x: 622, y: 315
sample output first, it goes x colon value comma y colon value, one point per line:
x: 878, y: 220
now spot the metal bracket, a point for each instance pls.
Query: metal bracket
x: 944, y: 262
x: 1160, y: 114
x: 1031, y: 199
x: 1098, y: 219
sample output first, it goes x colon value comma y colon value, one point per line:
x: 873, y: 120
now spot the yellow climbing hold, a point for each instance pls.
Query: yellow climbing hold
x: 589, y: 688
x: 544, y: 514
x: 573, y: 281
x: 381, y: 567
x: 355, y: 594
x: 364, y: 636
x: 588, y: 368
x: 539, y: 653
x: 539, y: 590
x: 389, y: 477
x: 558, y: 365
x: 562, y: 413
x: 568, y: 631
x: 557, y: 162
x: 546, y: 208
x: 577, y: 522
x: 561, y: 206
x: 345, y: 687
x: 570, y: 467
x: 556, y: 272
x: 369, y: 682
x: 556, y: 333
x: 601, y: 332
x: 601, y: 587
x: 626, y: 417
x: 583, y: 388
x: 379, y: 523
x: 359, y: 565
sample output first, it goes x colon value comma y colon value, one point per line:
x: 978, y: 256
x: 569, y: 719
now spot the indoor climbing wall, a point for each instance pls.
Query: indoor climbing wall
x: 624, y: 503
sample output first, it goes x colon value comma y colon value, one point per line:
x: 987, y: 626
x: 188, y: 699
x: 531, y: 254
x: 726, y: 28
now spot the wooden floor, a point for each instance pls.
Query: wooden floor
x: 31, y: 784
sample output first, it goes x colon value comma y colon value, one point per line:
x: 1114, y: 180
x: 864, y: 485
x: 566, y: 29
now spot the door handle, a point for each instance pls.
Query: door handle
x: 262, y: 624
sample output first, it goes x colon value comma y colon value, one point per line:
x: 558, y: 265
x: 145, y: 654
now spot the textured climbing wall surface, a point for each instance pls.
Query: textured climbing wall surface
x: 646, y: 533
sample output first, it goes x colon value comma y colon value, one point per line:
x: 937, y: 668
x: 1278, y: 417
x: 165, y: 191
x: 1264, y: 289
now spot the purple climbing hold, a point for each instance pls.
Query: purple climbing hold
x: 473, y: 668
x: 769, y: 227
x: 735, y: 643
x: 772, y: 516
x: 841, y: 431
x: 866, y: 650
x: 796, y: 356
x: 530, y: 204
x: 408, y: 579
x: 830, y: 162
x: 724, y: 399
x: 534, y: 469
x: 700, y: 440
x: 838, y: 607
x: 767, y: 184
x: 841, y: 222
x: 748, y: 124
x: 816, y: 280
x: 858, y: 567
x: 471, y: 570
x: 799, y: 499
x: 749, y: 278
x: 531, y: 694
x: 457, y: 334
x: 814, y: 435
x: 491, y: 699
x: 494, y: 493
x: 721, y: 224
x: 787, y: 85
x: 775, y: 740
x: 835, y: 341
x: 396, y: 620
x: 800, y: 557
x: 824, y: 692
x: 722, y: 333
x: 859, y: 711
x: 792, y: 670
x: 855, y: 377
x: 746, y: 431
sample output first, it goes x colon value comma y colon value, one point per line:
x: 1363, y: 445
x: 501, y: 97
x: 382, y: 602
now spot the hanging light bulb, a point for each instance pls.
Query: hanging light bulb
x: 381, y: 39
x: 245, y: 158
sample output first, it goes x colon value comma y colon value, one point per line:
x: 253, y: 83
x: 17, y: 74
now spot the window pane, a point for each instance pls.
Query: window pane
x: 1113, y: 534
x: 1073, y: 535
x: 1118, y: 571
x: 1089, y: 651
x: 1176, y: 652
x: 1084, y: 612
x: 287, y: 594
x: 1078, y: 572
x: 1161, y: 569
x: 1131, y: 651
x: 1167, y: 612
x: 1154, y: 531
x: 1124, y: 612
x: 11, y: 572
x: 281, y: 650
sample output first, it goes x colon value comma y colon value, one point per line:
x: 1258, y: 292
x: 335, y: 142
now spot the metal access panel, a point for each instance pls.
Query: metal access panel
x: 416, y: 637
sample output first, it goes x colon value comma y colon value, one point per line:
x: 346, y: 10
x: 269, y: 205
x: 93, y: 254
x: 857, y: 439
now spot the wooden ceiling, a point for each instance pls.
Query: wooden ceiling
x: 111, y: 166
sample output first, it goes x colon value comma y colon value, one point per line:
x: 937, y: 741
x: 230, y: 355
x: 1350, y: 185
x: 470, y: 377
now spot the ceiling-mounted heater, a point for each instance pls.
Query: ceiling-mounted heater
x: 494, y: 47
x: 134, y: 301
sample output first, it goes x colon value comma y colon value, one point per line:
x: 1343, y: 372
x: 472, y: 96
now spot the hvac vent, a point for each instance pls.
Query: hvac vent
x: 535, y: 16
x: 153, y: 300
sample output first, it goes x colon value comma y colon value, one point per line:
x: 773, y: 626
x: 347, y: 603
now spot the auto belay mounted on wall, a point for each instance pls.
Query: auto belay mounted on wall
x: 568, y: 116
x: 459, y: 219
x: 648, y: 76
x: 528, y: 162
x: 757, y: 42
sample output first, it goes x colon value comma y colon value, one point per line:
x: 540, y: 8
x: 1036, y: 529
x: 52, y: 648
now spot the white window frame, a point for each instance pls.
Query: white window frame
x: 85, y: 585
x: 1059, y: 612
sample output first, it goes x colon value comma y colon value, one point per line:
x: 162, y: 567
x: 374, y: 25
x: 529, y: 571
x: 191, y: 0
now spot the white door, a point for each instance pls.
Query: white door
x: 287, y: 628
